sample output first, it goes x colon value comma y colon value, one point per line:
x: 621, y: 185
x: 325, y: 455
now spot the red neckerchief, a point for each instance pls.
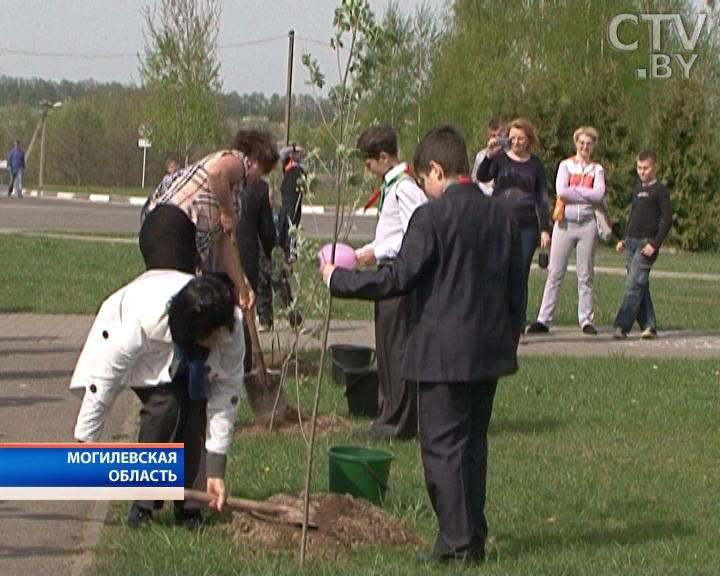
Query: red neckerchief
x: 290, y: 165
x: 464, y: 180
x: 376, y: 191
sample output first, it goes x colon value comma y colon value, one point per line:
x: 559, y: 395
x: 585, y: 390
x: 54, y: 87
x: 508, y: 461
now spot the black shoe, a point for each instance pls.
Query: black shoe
x: 295, y: 319
x: 189, y: 517
x: 138, y: 516
x: 589, y: 330
x: 537, y: 328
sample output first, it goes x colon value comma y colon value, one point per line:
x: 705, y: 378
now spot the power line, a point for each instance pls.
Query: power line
x: 252, y: 42
x: 313, y: 41
x: 66, y: 55
x: 123, y: 56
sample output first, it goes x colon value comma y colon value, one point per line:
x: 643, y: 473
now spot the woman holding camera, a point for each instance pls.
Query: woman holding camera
x: 580, y: 189
x: 520, y: 178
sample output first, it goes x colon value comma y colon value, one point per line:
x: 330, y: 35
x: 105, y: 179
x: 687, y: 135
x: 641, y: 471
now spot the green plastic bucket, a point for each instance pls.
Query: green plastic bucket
x: 360, y: 471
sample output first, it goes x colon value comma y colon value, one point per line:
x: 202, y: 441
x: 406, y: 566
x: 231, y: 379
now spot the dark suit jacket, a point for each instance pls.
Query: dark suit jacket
x: 460, y: 265
x: 255, y: 222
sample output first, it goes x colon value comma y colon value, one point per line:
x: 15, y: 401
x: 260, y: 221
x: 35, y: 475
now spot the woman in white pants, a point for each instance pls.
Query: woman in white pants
x: 580, y: 187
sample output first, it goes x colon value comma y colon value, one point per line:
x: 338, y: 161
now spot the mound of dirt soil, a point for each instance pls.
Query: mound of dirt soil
x: 289, y: 424
x: 344, y: 523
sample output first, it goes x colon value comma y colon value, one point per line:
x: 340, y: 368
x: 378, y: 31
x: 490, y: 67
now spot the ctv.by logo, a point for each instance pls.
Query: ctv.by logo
x: 660, y: 62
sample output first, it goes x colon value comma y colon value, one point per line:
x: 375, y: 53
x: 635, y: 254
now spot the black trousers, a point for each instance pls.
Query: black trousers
x: 169, y: 415
x: 269, y: 281
x: 263, y: 294
x: 397, y: 397
x: 454, y: 420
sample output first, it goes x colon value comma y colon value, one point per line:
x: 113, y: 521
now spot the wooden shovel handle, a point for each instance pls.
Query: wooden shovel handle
x: 258, y: 359
x: 279, y: 511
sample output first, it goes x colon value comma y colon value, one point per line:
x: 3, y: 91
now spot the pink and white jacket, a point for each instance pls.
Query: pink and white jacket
x: 581, y: 187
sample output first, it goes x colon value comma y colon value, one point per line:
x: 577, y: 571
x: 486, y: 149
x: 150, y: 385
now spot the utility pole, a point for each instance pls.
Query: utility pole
x: 42, y: 148
x: 288, y: 93
x: 46, y: 107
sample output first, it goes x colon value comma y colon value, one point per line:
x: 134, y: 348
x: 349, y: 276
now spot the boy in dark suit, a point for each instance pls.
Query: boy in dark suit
x: 460, y: 267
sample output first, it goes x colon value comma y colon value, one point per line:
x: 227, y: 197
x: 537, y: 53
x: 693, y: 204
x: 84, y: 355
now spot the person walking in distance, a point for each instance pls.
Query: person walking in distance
x: 16, y: 166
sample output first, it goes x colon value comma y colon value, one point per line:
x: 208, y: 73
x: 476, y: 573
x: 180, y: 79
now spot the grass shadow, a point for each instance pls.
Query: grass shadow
x: 525, y: 425
x: 634, y: 533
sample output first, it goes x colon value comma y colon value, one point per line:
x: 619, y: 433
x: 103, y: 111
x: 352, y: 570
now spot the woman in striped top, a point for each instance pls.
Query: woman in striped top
x: 208, y: 191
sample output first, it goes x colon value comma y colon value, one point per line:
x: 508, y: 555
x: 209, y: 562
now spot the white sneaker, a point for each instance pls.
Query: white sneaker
x: 649, y: 333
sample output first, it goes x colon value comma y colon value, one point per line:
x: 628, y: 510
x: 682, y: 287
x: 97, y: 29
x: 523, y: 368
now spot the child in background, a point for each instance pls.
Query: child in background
x: 649, y: 222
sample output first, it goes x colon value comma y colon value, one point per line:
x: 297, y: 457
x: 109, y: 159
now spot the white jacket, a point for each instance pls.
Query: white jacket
x: 129, y: 344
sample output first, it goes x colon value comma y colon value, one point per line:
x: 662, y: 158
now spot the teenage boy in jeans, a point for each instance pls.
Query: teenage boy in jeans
x: 460, y: 269
x: 650, y: 220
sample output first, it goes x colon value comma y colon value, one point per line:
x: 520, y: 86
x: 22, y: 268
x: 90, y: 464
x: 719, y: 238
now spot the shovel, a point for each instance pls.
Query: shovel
x: 265, y: 398
x: 263, y: 510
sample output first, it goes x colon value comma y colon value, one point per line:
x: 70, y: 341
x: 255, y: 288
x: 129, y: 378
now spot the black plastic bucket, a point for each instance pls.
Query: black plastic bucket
x: 361, y: 390
x: 349, y: 356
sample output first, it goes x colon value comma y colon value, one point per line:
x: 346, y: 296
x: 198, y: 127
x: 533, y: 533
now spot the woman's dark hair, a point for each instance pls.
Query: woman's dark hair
x: 205, y: 304
x: 445, y: 146
x: 167, y: 240
x: 258, y: 146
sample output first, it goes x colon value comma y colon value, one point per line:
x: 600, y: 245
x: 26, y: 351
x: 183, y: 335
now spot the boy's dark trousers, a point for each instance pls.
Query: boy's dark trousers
x: 169, y: 415
x: 397, y: 397
x: 263, y: 293
x: 637, y: 303
x: 454, y: 420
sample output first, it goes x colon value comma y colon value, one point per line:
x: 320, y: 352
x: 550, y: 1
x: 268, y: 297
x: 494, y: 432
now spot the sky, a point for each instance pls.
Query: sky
x: 115, y: 28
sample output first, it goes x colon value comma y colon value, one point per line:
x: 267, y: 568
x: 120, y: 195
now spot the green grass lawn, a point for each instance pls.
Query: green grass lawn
x: 668, y: 260
x: 596, y: 467
x: 57, y: 276
x: 60, y: 276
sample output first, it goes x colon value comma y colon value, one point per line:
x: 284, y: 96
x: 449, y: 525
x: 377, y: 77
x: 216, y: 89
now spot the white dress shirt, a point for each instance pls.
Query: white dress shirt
x: 401, y: 199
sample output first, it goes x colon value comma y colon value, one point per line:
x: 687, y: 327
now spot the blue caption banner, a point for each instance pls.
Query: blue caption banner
x: 117, y: 466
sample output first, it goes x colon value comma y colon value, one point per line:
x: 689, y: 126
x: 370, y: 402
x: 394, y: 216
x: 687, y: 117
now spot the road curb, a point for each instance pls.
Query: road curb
x: 140, y: 201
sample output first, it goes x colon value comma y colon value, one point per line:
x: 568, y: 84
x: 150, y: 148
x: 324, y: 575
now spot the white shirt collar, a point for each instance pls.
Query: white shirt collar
x: 395, y: 171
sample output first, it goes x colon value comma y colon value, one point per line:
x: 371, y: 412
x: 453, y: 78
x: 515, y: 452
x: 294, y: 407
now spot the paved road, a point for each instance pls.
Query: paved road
x: 80, y: 215
x: 55, y: 215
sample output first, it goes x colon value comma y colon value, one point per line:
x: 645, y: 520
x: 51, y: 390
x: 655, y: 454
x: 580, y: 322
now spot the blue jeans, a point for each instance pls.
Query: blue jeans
x: 637, y: 303
x: 16, y: 181
x: 529, y: 236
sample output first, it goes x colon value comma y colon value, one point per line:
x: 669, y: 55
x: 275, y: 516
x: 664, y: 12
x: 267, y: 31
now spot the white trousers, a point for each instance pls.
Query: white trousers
x: 567, y: 237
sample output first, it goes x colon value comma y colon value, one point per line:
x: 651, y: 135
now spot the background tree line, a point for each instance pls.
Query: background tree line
x: 548, y: 60
x: 92, y: 139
